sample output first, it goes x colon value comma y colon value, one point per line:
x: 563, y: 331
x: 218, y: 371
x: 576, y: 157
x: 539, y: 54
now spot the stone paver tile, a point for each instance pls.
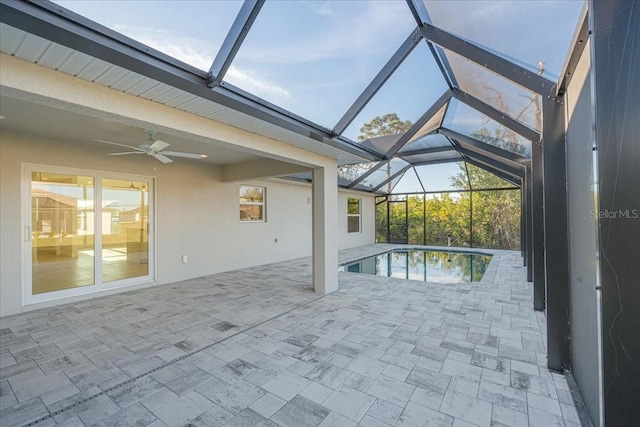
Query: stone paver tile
x: 300, y: 412
x: 249, y: 417
x: 329, y: 375
x: 302, y: 368
x: 92, y: 411
x: 526, y: 368
x: 187, y: 381
x: 391, y: 390
x: 312, y: 354
x: 545, y: 404
x: 495, y: 363
x: 396, y: 372
x: 385, y: 412
x: 6, y: 395
x: 259, y: 377
x: 53, y: 396
x: 496, y: 377
x: 368, y: 421
x: 267, y: 405
x: 538, y: 418
x: 508, y: 397
x: 358, y: 382
x: 400, y: 358
x: 458, y: 385
x: 214, y: 417
x: 433, y: 382
x: 100, y: 376
x: 187, y: 407
x: 347, y: 348
x: 417, y: 415
x: 466, y: 408
x: 160, y: 399
x: 233, y: 398
x: 135, y: 391
x: 366, y: 366
x: 534, y: 384
x: 505, y: 417
x: 336, y: 420
x: 23, y: 413
x: 462, y: 370
x: 286, y: 385
x: 570, y: 413
x: 135, y: 415
x: 349, y: 402
x: 38, y: 386
x: 316, y: 392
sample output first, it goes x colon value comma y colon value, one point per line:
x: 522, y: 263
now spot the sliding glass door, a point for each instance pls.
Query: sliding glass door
x: 85, y: 232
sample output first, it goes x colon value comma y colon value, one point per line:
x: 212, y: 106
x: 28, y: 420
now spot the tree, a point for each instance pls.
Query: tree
x: 387, y: 124
x: 496, y: 214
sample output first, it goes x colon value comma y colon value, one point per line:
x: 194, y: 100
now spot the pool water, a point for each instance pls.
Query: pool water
x: 427, y: 266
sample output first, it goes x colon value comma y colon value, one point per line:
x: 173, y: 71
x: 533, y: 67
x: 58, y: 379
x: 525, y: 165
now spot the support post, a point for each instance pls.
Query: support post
x: 324, y: 223
x: 529, y: 224
x: 537, y: 226
x: 556, y: 248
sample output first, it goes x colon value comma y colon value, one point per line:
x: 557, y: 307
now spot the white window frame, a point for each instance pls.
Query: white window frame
x: 263, y: 203
x: 358, y: 215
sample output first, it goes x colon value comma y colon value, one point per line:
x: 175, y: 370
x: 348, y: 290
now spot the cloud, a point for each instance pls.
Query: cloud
x: 197, y: 53
x: 353, y: 33
x: 253, y: 84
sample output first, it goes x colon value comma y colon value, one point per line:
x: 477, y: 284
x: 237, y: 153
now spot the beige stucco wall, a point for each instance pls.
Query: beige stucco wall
x: 197, y: 214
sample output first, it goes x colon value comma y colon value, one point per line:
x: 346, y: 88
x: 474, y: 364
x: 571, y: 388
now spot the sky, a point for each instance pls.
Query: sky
x: 313, y: 58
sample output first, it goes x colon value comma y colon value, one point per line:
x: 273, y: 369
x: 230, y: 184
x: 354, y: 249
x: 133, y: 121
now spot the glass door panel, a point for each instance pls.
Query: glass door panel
x: 125, y: 244
x: 62, y: 232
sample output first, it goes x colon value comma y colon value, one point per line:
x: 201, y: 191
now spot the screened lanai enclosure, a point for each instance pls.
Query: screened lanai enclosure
x: 474, y: 124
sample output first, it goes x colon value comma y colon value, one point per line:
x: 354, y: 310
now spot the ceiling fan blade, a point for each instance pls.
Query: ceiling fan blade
x: 159, y: 145
x: 162, y: 157
x: 181, y: 154
x: 128, y: 152
x: 120, y: 145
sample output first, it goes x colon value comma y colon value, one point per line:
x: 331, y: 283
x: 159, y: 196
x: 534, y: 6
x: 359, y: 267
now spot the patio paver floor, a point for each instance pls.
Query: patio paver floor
x: 258, y: 347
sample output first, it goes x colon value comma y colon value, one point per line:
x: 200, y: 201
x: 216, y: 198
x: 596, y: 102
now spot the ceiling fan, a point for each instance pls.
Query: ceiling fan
x: 154, y: 148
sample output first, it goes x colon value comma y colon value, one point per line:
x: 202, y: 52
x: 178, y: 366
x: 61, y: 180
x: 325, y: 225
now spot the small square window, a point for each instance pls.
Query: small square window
x: 353, y: 215
x: 252, y: 203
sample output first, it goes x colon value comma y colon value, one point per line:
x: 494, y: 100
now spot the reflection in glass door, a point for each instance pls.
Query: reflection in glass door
x: 125, y: 245
x: 84, y: 232
x: 61, y: 231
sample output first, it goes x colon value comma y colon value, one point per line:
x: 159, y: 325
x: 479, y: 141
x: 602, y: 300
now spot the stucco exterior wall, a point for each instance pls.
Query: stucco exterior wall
x: 196, y: 214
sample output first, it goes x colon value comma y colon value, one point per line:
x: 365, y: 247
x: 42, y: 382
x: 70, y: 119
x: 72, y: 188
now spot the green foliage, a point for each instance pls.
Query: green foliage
x: 496, y: 214
x: 388, y: 124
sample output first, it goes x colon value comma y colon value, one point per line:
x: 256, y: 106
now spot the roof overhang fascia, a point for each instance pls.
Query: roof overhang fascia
x: 53, y: 23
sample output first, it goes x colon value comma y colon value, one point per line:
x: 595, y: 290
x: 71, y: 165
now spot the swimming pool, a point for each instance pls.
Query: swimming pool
x: 424, y: 265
